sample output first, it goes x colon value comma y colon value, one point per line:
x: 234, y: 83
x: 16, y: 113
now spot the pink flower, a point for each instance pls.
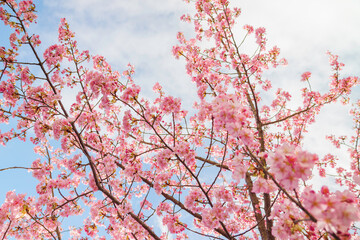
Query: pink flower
x: 209, y: 219
x: 54, y: 55
x: 249, y: 28
x: 260, y: 37
x: 289, y: 164
x: 163, y: 207
x: 335, y: 212
x: 173, y: 223
x: 356, y: 178
x: 194, y: 199
x: 238, y: 168
x: 305, y: 76
x: 170, y: 105
x: 130, y: 93
x: 90, y: 228
x: 262, y: 185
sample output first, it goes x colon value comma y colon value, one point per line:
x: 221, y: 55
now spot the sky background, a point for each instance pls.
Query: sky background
x: 143, y: 32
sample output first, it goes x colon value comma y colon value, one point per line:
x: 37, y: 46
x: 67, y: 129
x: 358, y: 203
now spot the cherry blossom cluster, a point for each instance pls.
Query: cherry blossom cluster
x: 289, y: 164
x: 335, y: 212
x: 228, y: 114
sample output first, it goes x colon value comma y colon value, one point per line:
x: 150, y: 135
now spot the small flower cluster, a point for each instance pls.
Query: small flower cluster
x: 170, y: 105
x: 238, y: 167
x: 335, y: 212
x: 229, y: 115
x: 54, y: 55
x: 284, y: 214
x: 173, y: 223
x: 262, y: 185
x: 289, y: 164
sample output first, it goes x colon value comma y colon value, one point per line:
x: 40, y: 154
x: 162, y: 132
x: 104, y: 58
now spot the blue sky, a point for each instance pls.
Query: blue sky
x: 143, y: 33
